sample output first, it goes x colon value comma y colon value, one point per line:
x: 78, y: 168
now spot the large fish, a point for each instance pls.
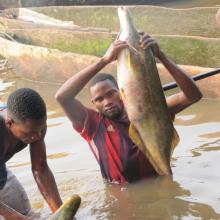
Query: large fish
x: 151, y: 125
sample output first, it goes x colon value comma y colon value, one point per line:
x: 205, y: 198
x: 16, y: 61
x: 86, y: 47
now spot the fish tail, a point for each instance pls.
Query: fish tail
x: 175, y: 141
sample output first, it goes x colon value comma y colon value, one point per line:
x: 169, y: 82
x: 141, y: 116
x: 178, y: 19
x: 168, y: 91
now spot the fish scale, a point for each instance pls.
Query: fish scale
x: 151, y: 126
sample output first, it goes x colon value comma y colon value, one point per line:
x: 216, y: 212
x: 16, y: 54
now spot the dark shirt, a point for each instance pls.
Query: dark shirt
x: 4, y: 157
x: 119, y: 158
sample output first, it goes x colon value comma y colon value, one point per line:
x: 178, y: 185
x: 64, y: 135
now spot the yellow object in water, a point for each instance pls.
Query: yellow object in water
x: 68, y: 210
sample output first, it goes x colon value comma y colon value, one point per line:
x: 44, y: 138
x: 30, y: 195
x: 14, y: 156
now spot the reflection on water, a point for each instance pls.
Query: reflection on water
x: 59, y: 155
x: 49, y: 156
x: 193, y: 194
x: 211, y: 135
x: 18, y: 164
x: 206, y: 111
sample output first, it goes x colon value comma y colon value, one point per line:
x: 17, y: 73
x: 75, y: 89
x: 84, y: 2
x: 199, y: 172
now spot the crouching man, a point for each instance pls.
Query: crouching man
x: 22, y: 123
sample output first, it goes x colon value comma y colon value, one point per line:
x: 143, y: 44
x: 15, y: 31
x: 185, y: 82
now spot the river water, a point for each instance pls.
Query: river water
x: 194, y: 192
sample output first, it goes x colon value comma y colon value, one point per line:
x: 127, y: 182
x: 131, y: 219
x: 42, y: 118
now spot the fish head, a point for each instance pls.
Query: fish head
x: 106, y: 98
x: 128, y: 31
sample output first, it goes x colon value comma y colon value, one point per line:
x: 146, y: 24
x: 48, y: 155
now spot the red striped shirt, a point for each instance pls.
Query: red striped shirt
x: 119, y: 158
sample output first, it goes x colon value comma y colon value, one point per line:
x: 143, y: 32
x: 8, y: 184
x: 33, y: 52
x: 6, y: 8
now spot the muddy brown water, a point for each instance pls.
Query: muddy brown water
x: 194, y: 192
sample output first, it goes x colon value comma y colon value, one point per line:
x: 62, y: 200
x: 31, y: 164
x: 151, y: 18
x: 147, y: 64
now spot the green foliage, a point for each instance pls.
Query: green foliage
x: 154, y: 20
x: 191, y: 50
x: 95, y: 47
x: 172, y: 28
x: 182, y: 49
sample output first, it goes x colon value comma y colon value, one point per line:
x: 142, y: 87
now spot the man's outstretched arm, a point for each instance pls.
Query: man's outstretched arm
x: 189, y: 93
x: 43, y: 175
x: 66, y: 94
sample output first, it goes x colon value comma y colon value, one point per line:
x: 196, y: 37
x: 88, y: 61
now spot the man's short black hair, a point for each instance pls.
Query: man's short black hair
x: 25, y: 103
x: 102, y: 77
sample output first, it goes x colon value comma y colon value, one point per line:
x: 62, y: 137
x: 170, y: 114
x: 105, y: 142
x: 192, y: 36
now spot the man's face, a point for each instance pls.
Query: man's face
x: 30, y: 130
x: 105, y: 96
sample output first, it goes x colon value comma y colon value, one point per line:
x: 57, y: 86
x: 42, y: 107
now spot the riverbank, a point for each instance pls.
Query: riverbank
x: 57, y: 52
x: 187, y: 43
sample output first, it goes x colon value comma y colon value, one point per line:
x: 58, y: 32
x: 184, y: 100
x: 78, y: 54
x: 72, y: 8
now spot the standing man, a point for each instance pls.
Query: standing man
x: 22, y: 123
x: 106, y: 131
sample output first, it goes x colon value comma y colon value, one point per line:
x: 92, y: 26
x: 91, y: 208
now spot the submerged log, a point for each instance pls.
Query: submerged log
x: 43, y: 64
x: 209, y: 86
x: 53, y: 66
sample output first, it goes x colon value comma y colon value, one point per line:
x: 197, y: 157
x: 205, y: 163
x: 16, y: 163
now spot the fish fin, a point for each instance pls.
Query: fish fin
x: 134, y: 135
x: 175, y: 141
